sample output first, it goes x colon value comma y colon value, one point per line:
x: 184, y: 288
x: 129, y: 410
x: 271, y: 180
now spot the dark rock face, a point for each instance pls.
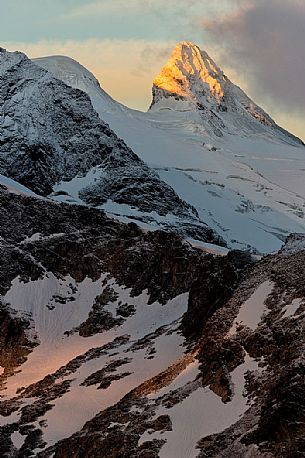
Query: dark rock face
x: 89, y: 242
x: 52, y: 133
x: 15, y: 344
x: 281, y: 425
x: 274, y: 424
x: 217, y: 278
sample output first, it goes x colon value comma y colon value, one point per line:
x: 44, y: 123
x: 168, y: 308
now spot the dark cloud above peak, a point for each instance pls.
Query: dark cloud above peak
x: 264, y: 40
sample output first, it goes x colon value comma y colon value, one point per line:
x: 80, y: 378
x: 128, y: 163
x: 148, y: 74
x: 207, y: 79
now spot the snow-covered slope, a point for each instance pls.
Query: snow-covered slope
x: 248, y: 183
x: 15, y: 187
x: 74, y: 74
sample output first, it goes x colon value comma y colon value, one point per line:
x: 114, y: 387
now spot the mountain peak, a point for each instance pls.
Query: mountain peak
x: 191, y: 82
x: 189, y: 70
x: 76, y: 75
x: 68, y: 70
x: 186, y: 44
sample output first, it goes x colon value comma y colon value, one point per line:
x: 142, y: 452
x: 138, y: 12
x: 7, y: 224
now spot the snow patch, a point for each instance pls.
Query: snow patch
x: 253, y: 309
x: 205, y: 415
x: 291, y: 309
x: 17, y: 439
x: 15, y: 187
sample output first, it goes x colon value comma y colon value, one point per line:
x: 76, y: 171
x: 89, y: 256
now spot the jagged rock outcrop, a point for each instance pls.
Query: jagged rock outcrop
x: 216, y: 281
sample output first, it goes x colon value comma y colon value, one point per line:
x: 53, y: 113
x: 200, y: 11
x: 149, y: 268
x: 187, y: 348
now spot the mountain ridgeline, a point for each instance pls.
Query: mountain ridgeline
x: 49, y: 133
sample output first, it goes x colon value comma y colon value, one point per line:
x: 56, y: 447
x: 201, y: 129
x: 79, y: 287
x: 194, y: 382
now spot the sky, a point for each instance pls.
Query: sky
x: 260, y: 44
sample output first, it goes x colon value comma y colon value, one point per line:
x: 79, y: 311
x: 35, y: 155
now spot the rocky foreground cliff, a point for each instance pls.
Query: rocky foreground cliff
x: 239, y: 389
x: 119, y: 342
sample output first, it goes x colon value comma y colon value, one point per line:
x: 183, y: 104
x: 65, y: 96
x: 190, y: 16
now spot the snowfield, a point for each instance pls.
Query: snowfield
x: 152, y: 326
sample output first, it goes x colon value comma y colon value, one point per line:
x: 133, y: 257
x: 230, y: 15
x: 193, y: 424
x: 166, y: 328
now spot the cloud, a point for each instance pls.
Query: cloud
x: 264, y: 41
x: 103, y: 7
x: 160, y: 7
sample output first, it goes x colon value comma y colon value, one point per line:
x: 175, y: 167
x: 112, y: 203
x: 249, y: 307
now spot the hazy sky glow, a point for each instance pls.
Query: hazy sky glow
x: 259, y: 43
